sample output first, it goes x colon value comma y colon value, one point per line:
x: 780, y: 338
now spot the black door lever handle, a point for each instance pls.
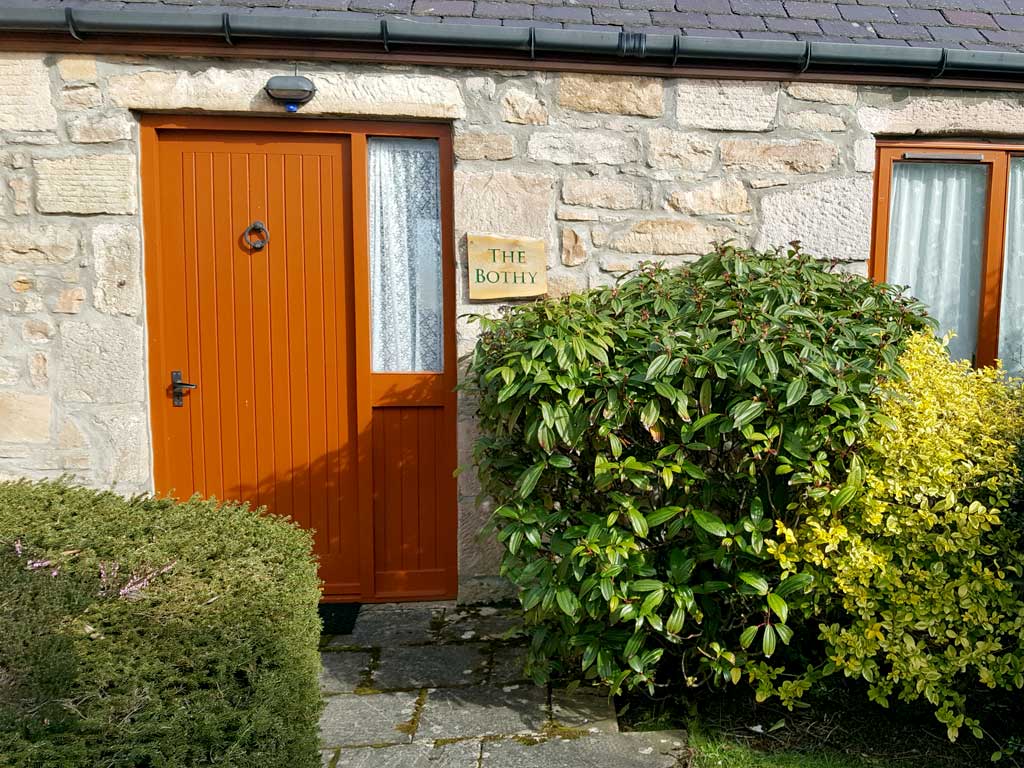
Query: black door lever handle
x: 178, y: 389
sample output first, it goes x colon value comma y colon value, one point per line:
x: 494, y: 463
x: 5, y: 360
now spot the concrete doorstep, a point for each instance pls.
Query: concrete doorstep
x: 434, y: 685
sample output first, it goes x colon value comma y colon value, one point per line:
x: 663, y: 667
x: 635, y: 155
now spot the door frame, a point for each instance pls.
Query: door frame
x: 370, y: 389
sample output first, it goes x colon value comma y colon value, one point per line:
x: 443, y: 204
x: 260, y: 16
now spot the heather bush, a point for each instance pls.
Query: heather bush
x: 644, y: 442
x: 157, y: 633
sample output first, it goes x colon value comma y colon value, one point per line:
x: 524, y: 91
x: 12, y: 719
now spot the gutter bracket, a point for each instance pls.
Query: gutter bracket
x: 807, y: 57
x: 533, y: 43
x: 225, y: 23
x: 632, y: 44
x: 942, y: 64
x: 69, y: 19
x: 676, y: 45
x: 384, y: 35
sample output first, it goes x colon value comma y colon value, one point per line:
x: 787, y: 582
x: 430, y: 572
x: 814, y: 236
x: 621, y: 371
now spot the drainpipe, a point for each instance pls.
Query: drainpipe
x: 528, y: 42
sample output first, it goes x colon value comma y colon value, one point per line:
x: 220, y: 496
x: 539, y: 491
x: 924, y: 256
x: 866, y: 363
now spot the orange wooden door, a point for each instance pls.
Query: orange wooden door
x: 283, y: 413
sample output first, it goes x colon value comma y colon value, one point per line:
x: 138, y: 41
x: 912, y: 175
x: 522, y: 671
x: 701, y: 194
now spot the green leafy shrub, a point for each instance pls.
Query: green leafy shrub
x: 642, y: 440
x: 922, y: 579
x: 187, y: 632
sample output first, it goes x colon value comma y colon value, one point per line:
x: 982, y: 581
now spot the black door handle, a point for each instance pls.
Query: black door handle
x: 178, y: 389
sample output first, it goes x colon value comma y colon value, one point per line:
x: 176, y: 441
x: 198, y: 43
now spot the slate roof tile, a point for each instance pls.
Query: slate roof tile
x: 975, y: 24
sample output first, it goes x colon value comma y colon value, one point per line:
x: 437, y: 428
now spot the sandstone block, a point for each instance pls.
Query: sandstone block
x: 24, y: 418
x: 81, y: 97
x: 37, y: 331
x: 671, y: 237
x: 613, y: 94
x: 69, y: 301
x: 844, y: 95
x: 602, y: 193
x: 670, y: 149
x: 583, y: 148
x: 26, y: 103
x: 24, y: 245
x: 116, y: 255
x: 77, y: 69
x: 87, y: 184
x: 126, y: 454
x: 832, y: 218
x: 101, y: 363
x: 10, y: 371
x: 392, y: 95
x: 99, y: 129
x: 574, y: 248
x: 562, y: 285
x: 38, y: 373
x: 809, y: 120
x: 520, y: 107
x: 485, y: 146
x: 70, y: 436
x: 504, y: 203
x: 22, y: 284
x: 864, y: 155
x: 936, y: 115
x: 21, y: 192
x: 721, y: 196
x: 789, y: 156
x: 727, y: 105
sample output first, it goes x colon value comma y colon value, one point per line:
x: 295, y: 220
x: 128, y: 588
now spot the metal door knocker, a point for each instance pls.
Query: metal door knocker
x: 262, y: 238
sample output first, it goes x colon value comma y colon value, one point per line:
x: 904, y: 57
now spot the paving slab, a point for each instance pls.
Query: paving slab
x: 485, y: 623
x: 482, y: 711
x: 437, y: 666
x: 462, y: 754
x: 399, y: 626
x: 507, y: 665
x: 588, y: 709
x: 381, y: 718
x: 654, y: 749
x: 343, y: 671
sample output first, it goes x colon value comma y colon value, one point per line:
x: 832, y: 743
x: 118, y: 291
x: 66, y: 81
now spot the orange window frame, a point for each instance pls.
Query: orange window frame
x: 997, y: 157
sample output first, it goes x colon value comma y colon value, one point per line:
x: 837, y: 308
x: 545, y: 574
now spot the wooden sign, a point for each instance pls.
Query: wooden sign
x: 506, y: 267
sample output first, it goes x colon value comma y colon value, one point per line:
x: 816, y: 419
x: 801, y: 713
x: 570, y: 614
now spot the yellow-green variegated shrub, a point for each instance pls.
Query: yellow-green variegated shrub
x: 920, y: 577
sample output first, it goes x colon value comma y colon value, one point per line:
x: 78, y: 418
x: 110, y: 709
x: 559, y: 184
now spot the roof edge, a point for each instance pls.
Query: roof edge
x: 523, y: 45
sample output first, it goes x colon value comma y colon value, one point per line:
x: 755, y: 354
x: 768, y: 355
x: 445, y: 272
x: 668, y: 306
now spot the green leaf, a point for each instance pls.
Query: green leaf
x: 778, y: 606
x: 784, y: 632
x: 746, y: 412
x: 567, y: 601
x: 768, y: 640
x: 657, y: 366
x: 759, y: 583
x: 649, y: 415
x: 756, y: 509
x: 528, y: 480
x: 795, y: 391
x: 798, y: 582
x: 710, y: 522
x: 748, y: 636
x: 560, y: 461
x: 637, y: 521
x: 661, y: 516
x: 705, y: 396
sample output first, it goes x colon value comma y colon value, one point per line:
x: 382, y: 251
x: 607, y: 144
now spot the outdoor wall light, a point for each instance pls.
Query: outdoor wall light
x: 292, y: 90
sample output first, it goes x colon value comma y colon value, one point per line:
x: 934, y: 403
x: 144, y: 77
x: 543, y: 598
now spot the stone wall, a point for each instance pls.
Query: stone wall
x: 606, y: 170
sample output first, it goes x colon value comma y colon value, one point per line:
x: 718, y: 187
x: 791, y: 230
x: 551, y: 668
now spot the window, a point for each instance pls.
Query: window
x: 405, y: 255
x: 949, y: 224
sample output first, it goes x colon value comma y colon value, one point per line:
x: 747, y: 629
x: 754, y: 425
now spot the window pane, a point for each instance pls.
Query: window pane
x: 1011, y: 314
x: 936, y: 240
x: 405, y: 255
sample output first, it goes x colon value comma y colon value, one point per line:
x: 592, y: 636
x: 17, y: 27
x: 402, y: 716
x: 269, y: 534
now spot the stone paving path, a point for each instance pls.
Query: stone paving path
x: 435, y: 685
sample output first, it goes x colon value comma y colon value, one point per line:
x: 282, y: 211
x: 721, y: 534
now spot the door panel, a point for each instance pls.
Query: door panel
x: 287, y: 412
x: 265, y: 335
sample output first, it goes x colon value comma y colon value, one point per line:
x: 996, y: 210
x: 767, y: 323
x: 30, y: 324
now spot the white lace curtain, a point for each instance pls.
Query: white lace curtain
x: 1011, y: 317
x: 405, y: 255
x: 936, y: 237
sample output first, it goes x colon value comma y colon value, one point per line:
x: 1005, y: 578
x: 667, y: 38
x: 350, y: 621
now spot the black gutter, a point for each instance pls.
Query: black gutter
x: 528, y: 43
